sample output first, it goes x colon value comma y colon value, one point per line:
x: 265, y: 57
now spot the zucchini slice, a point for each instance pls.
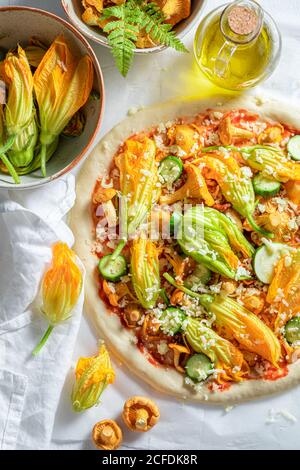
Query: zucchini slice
x: 112, y: 269
x: 198, y: 367
x: 171, y: 320
x: 294, y: 147
x: 265, y: 187
x: 265, y: 259
x: 170, y: 169
x: 292, y: 331
x: 200, y: 276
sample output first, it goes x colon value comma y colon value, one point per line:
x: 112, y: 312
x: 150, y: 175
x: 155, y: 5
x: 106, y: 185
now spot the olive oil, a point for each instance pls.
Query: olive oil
x: 233, y: 60
x: 247, y: 62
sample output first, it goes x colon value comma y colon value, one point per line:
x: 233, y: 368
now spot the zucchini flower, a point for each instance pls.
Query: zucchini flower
x: 284, y: 290
x: 206, y: 236
x: 93, y: 374
x: 61, y: 287
x: 234, y: 234
x: 138, y: 178
x: 62, y: 85
x: 235, y: 185
x: 272, y: 162
x: 252, y: 333
x: 194, y: 187
x: 6, y: 166
x: 21, y: 126
x: 220, y: 351
x: 145, y: 271
x: 21, y: 153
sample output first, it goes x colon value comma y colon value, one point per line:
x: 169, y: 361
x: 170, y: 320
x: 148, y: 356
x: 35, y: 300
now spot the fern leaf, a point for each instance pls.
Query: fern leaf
x: 122, y: 35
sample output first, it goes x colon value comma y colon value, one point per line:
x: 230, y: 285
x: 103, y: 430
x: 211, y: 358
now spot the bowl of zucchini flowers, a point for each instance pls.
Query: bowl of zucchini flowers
x: 51, y: 97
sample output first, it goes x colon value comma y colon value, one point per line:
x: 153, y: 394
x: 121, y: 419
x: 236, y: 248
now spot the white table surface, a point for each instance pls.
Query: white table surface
x: 153, y: 79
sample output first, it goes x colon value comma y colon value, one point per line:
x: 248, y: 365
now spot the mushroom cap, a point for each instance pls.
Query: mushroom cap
x: 136, y: 404
x: 107, y: 435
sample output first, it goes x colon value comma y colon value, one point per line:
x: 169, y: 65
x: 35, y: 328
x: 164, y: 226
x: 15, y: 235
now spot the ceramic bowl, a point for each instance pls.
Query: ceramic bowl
x: 74, y: 10
x: 17, y: 25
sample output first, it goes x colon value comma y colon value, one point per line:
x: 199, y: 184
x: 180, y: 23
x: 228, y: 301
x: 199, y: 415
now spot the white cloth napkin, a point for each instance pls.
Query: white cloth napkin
x: 30, y: 222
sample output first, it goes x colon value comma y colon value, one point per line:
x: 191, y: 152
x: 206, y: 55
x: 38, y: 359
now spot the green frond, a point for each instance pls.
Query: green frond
x: 122, y: 35
x: 125, y: 23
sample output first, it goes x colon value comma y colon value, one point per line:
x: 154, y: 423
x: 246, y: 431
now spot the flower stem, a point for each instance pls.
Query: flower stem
x: 43, y: 156
x: 10, y: 168
x: 118, y: 250
x: 257, y: 228
x: 43, y: 340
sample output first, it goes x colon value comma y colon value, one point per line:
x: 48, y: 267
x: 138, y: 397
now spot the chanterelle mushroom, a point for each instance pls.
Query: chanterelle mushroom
x: 175, y: 10
x: 194, y: 187
x: 228, y: 133
x: 140, y: 414
x: 107, y: 435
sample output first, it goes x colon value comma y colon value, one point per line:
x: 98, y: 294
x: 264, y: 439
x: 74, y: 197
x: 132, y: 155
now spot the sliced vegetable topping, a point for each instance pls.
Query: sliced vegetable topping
x: 265, y: 259
x: 200, y: 276
x: 294, y: 147
x: 111, y: 268
x: 264, y: 186
x: 292, y: 331
x: 171, y: 320
x: 198, y: 367
x: 170, y: 169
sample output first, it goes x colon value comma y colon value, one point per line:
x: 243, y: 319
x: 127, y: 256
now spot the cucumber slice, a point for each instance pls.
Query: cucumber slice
x: 292, y: 331
x: 265, y: 187
x: 171, y: 320
x: 293, y: 147
x: 200, y: 276
x: 170, y: 169
x: 174, y: 221
x: 198, y: 367
x: 265, y: 259
x: 112, y: 269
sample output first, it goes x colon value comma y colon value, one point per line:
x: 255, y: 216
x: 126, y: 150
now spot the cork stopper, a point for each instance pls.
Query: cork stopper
x: 242, y: 20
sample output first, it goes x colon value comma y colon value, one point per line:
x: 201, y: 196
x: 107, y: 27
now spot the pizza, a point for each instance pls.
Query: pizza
x: 187, y: 220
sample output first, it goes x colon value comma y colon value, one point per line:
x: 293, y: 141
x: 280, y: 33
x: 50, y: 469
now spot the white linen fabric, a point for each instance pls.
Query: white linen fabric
x: 30, y: 386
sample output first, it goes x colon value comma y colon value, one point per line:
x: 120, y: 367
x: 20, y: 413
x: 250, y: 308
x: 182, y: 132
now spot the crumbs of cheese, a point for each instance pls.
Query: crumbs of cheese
x: 246, y: 172
x: 162, y: 348
x: 241, y: 271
